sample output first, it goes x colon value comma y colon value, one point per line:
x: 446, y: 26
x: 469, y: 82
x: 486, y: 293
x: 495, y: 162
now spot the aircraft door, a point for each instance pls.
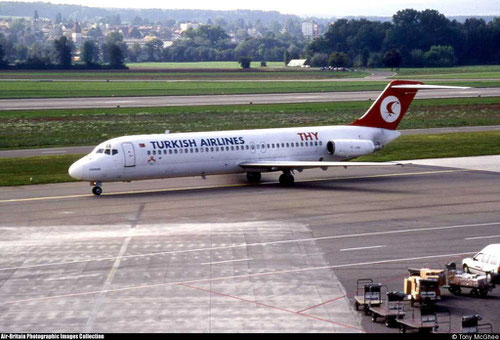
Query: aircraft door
x: 128, y: 151
x: 262, y: 147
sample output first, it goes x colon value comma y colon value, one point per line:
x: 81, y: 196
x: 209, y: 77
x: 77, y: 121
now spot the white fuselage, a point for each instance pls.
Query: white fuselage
x: 220, y: 152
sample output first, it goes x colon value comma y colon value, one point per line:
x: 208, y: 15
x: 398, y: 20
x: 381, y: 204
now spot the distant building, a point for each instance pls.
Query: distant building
x: 310, y: 30
x: 76, y: 36
x: 297, y: 63
x: 187, y: 25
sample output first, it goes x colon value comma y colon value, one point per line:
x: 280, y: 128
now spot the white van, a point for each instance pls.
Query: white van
x: 486, y: 261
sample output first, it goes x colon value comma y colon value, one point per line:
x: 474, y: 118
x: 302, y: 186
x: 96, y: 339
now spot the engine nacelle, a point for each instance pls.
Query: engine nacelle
x: 350, y: 148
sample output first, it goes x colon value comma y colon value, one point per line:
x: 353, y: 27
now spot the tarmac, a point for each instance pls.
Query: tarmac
x: 221, y: 255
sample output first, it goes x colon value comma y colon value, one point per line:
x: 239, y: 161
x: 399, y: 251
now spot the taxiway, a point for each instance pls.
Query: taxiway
x: 220, y: 255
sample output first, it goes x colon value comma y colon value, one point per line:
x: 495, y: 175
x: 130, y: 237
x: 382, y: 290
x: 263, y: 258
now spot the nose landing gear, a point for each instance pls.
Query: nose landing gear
x: 96, y: 190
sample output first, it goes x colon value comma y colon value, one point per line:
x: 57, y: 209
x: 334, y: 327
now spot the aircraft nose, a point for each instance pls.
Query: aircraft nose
x: 76, y: 170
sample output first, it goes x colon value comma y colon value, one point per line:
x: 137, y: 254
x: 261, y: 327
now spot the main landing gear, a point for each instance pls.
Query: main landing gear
x: 96, y: 190
x: 254, y: 177
x: 287, y: 179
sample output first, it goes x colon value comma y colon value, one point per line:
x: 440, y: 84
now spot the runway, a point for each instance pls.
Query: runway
x: 276, y: 98
x: 220, y: 255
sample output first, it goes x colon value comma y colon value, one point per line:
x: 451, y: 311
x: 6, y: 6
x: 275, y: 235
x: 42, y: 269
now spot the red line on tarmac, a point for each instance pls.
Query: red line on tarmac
x: 270, y: 306
x: 321, y: 304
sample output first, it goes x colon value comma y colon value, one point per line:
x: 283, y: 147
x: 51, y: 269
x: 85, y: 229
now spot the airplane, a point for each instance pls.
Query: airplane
x: 166, y: 155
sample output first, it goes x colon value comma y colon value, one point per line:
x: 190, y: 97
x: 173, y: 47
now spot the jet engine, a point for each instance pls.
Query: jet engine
x: 350, y: 148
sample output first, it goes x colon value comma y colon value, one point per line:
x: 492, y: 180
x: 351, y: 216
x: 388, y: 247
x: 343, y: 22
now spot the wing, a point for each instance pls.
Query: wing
x: 300, y: 165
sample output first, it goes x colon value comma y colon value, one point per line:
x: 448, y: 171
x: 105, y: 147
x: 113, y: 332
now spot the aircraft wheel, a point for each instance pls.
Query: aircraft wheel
x: 287, y: 180
x: 97, y: 190
x: 254, y: 177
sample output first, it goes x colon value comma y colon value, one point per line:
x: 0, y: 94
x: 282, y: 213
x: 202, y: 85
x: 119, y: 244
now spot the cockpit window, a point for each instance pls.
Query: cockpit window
x: 99, y: 151
x: 115, y: 151
x: 107, y: 151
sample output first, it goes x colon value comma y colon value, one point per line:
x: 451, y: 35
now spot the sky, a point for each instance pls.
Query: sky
x: 326, y: 9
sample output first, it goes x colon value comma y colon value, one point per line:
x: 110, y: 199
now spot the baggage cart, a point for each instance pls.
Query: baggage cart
x: 368, y: 294
x: 470, y: 325
x: 425, y: 319
x: 456, y: 280
x: 390, y: 309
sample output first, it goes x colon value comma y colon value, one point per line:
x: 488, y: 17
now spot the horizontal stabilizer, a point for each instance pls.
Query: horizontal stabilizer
x: 299, y: 165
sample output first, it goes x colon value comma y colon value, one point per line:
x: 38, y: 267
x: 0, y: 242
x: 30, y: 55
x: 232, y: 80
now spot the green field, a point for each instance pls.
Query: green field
x: 183, y: 74
x: 38, y: 128
x: 55, y: 89
x: 202, y: 65
x: 53, y: 169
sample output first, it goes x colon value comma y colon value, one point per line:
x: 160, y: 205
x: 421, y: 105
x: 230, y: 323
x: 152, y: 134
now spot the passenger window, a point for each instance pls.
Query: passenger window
x: 301, y: 143
x: 282, y: 145
x: 232, y: 148
x: 316, y: 143
x: 212, y: 149
x: 149, y: 152
x: 207, y: 149
x: 107, y: 151
x: 196, y: 150
x: 277, y: 145
x: 175, y: 151
x: 320, y: 143
x: 100, y: 151
x: 247, y: 147
x: 115, y: 151
x: 268, y: 146
x: 186, y: 150
x: 272, y: 145
x: 180, y: 151
x: 307, y: 143
x: 287, y: 145
x: 258, y: 147
x: 170, y: 151
x: 297, y: 144
x: 493, y: 260
x: 216, y: 149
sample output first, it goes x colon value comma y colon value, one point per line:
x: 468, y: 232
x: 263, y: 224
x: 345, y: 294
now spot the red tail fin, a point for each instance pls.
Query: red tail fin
x: 390, y: 107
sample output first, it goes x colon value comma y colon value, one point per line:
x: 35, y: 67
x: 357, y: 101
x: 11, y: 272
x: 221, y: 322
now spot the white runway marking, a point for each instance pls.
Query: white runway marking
x: 229, y: 261
x: 491, y: 224
x: 361, y: 248
x: 481, y: 237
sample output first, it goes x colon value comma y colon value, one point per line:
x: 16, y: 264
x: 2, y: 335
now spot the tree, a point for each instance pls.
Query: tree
x: 135, y: 52
x: 339, y: 59
x: 319, y: 60
x: 90, y: 52
x: 62, y: 52
x: 116, y: 56
x: 3, y: 62
x: 286, y: 57
x: 392, y: 58
x: 245, y: 62
x: 440, y: 56
x: 153, y: 49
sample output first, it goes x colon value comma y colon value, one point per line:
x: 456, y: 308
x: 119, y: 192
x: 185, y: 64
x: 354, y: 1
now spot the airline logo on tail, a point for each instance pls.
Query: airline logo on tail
x: 390, y: 109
